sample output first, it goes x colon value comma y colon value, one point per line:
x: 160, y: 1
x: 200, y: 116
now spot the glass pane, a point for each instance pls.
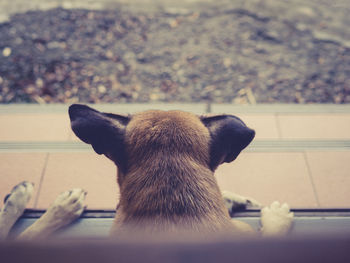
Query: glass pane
x: 283, y: 67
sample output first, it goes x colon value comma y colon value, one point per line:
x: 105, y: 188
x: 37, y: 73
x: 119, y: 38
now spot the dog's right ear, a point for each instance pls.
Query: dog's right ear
x: 104, y: 131
x: 229, y: 136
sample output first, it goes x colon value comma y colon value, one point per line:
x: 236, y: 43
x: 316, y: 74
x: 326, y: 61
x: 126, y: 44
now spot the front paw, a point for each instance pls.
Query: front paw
x: 276, y: 219
x: 235, y: 202
x: 16, y: 201
x: 67, y: 207
x: 15, y: 204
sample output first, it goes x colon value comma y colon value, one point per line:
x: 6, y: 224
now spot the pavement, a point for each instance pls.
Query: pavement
x: 333, y: 23
x: 300, y: 154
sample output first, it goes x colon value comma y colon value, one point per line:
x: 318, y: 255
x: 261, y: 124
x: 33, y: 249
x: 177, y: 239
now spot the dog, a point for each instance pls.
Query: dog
x: 166, y: 162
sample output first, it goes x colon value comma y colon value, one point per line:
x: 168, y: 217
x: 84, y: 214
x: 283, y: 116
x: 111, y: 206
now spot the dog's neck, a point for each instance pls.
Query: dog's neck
x: 169, y: 187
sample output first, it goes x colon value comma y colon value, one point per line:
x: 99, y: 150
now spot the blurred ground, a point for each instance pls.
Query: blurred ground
x: 240, y: 51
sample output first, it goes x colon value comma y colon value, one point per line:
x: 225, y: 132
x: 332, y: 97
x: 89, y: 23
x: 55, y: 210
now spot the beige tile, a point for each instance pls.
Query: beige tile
x: 265, y: 125
x: 90, y: 171
x: 19, y: 167
x: 73, y: 137
x: 315, y: 126
x: 34, y: 127
x: 267, y: 177
x: 331, y: 175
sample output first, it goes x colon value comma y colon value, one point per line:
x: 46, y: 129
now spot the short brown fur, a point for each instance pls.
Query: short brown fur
x: 166, y: 181
x: 169, y: 185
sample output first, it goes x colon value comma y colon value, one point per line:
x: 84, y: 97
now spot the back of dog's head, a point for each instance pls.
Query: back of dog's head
x: 151, y: 135
x: 128, y: 139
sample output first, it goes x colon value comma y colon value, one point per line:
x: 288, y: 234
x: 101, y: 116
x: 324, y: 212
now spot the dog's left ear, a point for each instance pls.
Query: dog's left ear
x: 104, y: 131
x: 229, y: 136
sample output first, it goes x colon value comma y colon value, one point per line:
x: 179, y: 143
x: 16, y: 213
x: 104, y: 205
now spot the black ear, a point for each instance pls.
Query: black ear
x: 104, y: 131
x: 229, y: 136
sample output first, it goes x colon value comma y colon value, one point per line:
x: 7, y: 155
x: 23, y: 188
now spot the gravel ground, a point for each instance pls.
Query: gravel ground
x: 250, y: 51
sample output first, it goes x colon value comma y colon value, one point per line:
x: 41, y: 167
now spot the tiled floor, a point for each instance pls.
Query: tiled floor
x: 94, y: 173
x: 18, y: 167
x: 331, y: 177
x: 314, y: 126
x: 34, y: 127
x: 304, y: 179
x: 270, y: 176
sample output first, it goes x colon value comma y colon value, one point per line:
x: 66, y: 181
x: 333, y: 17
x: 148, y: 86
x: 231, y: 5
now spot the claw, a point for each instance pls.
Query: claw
x: 6, y: 197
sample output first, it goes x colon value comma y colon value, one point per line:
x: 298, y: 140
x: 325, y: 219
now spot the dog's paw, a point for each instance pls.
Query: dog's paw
x: 276, y: 219
x: 67, y: 207
x: 16, y: 201
x: 15, y: 204
x: 235, y: 202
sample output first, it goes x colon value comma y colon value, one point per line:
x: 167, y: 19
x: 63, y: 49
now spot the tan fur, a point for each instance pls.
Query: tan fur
x: 168, y: 185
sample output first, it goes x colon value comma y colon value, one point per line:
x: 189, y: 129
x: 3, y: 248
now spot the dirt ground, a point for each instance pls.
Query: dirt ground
x: 238, y: 51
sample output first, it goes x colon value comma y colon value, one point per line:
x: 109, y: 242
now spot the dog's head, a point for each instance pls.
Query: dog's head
x: 131, y: 138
